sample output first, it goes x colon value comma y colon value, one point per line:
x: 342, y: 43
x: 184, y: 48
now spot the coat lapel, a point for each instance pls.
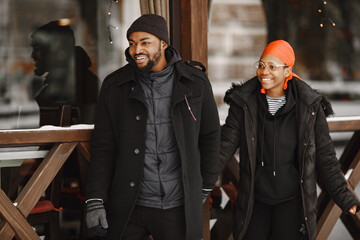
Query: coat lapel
x: 137, y: 93
x: 179, y: 92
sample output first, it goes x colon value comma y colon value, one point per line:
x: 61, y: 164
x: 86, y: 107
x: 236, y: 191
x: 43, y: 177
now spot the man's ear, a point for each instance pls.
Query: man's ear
x: 288, y: 71
x: 164, y: 44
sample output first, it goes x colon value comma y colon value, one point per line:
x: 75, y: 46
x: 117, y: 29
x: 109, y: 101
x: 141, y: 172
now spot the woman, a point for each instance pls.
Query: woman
x: 279, y: 124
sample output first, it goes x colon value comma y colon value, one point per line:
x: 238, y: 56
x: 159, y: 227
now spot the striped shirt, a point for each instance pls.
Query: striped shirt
x: 275, y: 103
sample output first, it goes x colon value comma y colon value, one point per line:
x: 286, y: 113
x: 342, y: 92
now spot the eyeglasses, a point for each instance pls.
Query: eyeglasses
x: 259, y: 65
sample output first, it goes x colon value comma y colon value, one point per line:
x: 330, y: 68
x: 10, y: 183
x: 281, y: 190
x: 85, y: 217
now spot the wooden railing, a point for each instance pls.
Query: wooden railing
x: 63, y: 141
x: 329, y: 213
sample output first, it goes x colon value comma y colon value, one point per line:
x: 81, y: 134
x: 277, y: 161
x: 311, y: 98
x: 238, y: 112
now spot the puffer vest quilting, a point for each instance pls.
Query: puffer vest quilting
x: 161, y: 186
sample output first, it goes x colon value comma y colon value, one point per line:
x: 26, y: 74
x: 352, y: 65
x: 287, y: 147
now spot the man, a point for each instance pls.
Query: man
x: 63, y: 71
x: 53, y: 52
x: 155, y: 145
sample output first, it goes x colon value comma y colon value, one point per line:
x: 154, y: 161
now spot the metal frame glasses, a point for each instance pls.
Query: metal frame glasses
x: 260, y: 66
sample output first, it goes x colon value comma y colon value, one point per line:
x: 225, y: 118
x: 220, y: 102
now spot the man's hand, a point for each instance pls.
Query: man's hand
x: 96, y: 217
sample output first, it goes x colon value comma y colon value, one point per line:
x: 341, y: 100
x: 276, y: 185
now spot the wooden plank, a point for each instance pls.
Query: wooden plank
x: 352, y: 224
x: 355, y: 175
x: 65, y: 115
x: 13, y: 138
x: 194, y: 30
x: 350, y: 161
x: 84, y: 148
x: 39, y: 182
x: 206, y: 216
x: 351, y: 149
x: 15, y: 219
x: 330, y: 216
x: 341, y: 124
x: 327, y: 220
x: 43, y: 176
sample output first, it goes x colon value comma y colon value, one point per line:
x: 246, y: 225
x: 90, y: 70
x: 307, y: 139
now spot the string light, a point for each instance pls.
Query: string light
x: 325, y: 16
x: 109, y: 25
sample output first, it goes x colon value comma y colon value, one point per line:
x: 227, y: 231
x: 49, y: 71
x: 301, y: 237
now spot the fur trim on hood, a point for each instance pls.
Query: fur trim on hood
x: 326, y: 105
x: 246, y: 89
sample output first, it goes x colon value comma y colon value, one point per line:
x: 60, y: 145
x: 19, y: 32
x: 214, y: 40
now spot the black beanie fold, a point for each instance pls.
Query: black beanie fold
x: 150, y: 23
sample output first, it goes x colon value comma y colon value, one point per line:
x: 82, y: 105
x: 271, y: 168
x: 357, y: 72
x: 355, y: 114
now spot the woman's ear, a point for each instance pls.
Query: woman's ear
x: 288, y: 71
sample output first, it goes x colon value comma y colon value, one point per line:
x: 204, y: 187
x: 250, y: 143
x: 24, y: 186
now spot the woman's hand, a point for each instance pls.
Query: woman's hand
x: 353, y: 209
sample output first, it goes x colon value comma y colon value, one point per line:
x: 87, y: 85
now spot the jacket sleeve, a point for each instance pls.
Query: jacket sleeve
x: 328, y: 166
x: 230, y: 136
x: 209, y: 138
x: 103, y: 150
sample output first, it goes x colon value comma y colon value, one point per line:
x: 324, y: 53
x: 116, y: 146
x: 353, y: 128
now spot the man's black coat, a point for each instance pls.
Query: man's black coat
x: 118, y: 144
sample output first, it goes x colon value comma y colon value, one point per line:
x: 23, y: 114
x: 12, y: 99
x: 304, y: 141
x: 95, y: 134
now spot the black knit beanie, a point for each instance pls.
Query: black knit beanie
x: 54, y: 31
x: 150, y: 23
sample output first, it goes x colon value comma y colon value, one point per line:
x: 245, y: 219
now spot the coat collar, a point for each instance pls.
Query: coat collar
x: 244, y: 92
x: 128, y: 71
x: 180, y: 90
x: 181, y: 69
x: 304, y: 92
x: 184, y: 71
x: 182, y: 74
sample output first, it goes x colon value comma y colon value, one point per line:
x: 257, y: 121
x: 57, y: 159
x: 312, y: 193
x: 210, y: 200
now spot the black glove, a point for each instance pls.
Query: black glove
x: 96, y: 217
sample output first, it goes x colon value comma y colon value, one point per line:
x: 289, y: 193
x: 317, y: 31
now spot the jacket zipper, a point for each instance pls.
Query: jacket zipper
x: 156, y: 141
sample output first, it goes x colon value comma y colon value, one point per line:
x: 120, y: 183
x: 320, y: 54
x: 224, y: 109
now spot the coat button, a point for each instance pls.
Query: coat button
x: 132, y: 184
x: 305, y: 218
x: 136, y: 151
x: 138, y: 117
x: 304, y: 144
x: 301, y: 181
x: 313, y: 113
x: 253, y: 138
x: 132, y: 88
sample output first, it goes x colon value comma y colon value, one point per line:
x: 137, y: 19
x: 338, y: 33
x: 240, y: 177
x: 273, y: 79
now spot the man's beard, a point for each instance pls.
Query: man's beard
x: 148, y: 67
x: 151, y: 63
x: 39, y: 67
